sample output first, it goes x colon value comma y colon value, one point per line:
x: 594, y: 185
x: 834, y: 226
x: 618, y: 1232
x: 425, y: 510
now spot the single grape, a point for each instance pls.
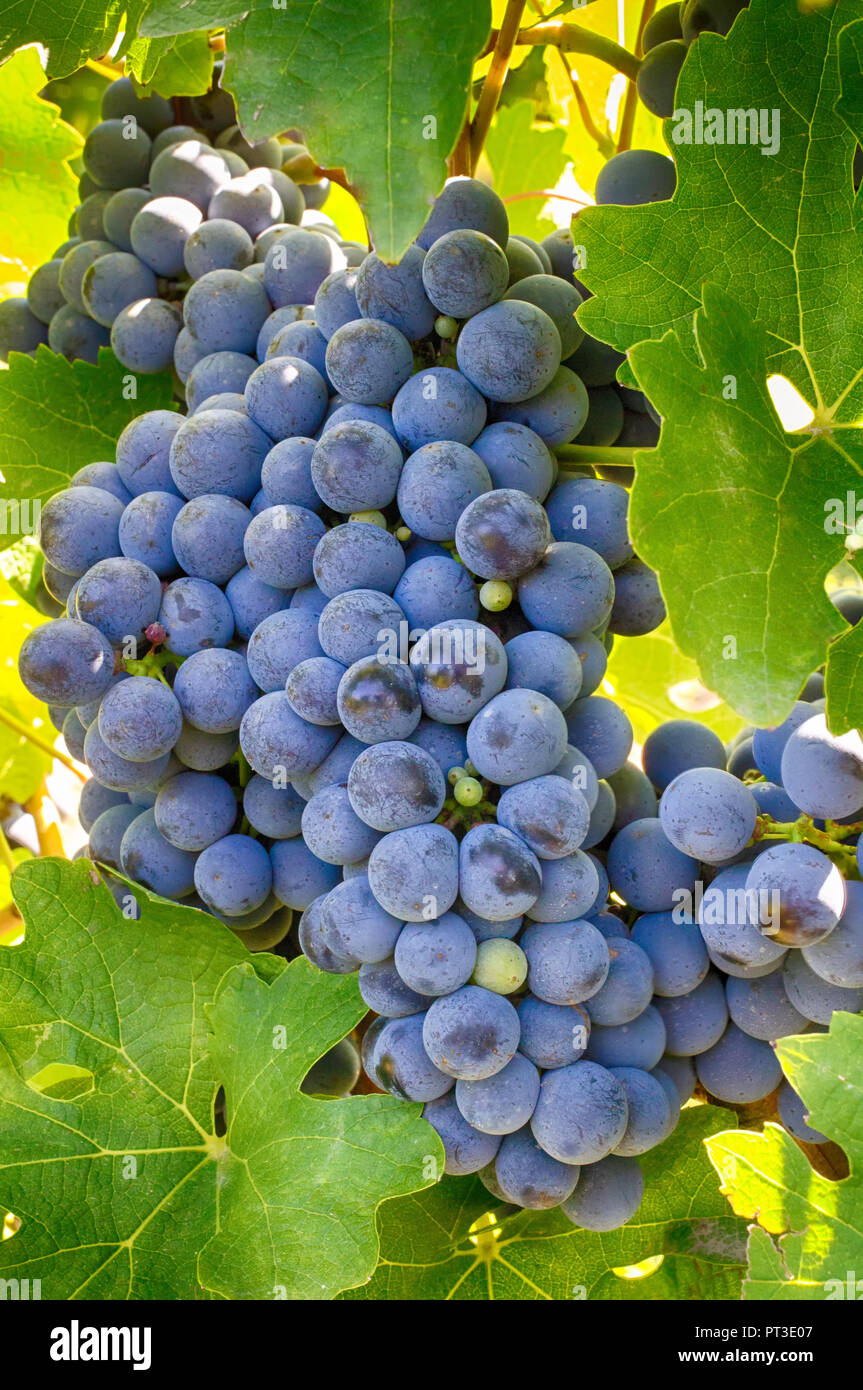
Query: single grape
x: 649, y: 1114
x: 804, y: 890
x: 466, y: 1149
x: 499, y: 877
x: 148, y: 858
x: 694, y: 1022
x: 397, y: 1062
x: 501, y: 966
x: 640, y: 1043
x: 675, y: 950
x: 548, y: 813
x: 646, y: 869
x: 140, y: 719
x: 471, y: 1034
x: 436, y: 957
x: 762, y: 1009
x: 503, y: 1103
x: 194, y: 809
x: 635, y: 177
x: 299, y: 878
x: 608, y: 1195
x: 678, y: 746
x: 437, y: 404
x: 708, y: 814
x: 234, y: 875
x: 739, y: 1068
x: 413, y: 872
x: 529, y: 1177
x: 581, y: 1114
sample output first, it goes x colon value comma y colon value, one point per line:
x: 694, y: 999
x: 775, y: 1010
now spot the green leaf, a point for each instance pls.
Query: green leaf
x: 22, y: 764
x: 844, y: 681
x: 377, y: 89
x: 119, y: 1187
x: 525, y: 158
x: 56, y: 416
x: 526, y: 82
x: 40, y: 192
x: 751, y: 222
x: 730, y: 510
x: 166, y: 17
x: 654, y: 682
x: 143, y: 57
x: 767, y: 1178
x: 21, y: 566
x: 429, y: 1252
x: 182, y: 67
x: 187, y: 69
x: 301, y: 1179
x: 70, y: 30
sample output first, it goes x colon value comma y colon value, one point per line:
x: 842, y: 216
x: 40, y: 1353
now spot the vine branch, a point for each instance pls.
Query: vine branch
x: 41, y: 808
x: 495, y: 77
x: 573, y: 38
x: 630, y: 104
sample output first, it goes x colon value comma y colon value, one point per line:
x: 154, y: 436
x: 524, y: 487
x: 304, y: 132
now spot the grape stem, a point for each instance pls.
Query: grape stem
x: 804, y: 831
x: 24, y: 731
x: 574, y: 38
x: 630, y: 101
x: 495, y: 77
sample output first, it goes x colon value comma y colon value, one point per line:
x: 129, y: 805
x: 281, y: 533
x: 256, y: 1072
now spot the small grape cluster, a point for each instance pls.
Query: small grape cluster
x: 666, y: 40
x: 161, y: 204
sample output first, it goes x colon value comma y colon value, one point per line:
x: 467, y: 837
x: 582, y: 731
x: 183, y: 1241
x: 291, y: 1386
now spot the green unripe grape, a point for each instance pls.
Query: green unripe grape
x: 501, y: 966
x: 403, y: 533
x: 445, y: 327
x: 455, y: 774
x: 371, y: 518
x: 495, y: 595
x: 468, y: 791
x: 470, y: 770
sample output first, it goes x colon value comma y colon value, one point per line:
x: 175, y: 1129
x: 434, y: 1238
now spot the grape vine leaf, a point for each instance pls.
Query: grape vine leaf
x: 301, y: 1179
x: 750, y: 221
x: 347, y: 76
x: 122, y: 1185
x: 525, y: 158
x: 21, y: 566
x: 844, y: 681
x: 730, y: 509
x: 40, y: 192
x: 165, y: 17
x: 650, y: 678
x: 179, y: 67
x: 56, y: 416
x: 71, y: 31
x: 767, y: 1178
x: 429, y: 1251
x: 22, y: 764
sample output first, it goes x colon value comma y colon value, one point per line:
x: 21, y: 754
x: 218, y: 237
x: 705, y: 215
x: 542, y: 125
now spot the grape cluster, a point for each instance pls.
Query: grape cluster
x: 162, y: 205
x: 331, y: 640
x: 666, y: 39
